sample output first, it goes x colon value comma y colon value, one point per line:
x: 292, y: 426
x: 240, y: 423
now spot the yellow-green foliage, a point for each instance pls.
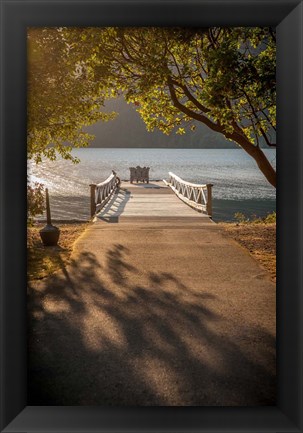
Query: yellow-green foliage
x: 35, y: 201
x: 62, y: 97
x: 271, y: 218
x: 243, y: 219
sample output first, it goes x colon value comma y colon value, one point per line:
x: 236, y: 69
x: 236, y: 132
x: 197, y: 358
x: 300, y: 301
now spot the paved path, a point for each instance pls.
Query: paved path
x: 154, y: 311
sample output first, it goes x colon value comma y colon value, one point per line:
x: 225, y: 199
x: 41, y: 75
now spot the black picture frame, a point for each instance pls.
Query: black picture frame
x: 16, y: 16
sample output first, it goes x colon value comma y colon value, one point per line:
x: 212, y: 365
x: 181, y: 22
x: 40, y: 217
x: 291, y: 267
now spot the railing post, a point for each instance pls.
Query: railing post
x: 200, y: 197
x: 209, y: 207
x: 92, y: 199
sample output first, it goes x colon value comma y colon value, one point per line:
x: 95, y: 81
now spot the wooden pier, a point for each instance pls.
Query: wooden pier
x: 175, y: 197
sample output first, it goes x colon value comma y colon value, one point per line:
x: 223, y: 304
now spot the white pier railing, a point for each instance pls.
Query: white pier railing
x: 197, y: 196
x: 102, y: 192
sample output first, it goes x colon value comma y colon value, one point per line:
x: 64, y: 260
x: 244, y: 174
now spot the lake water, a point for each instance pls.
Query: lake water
x: 239, y: 186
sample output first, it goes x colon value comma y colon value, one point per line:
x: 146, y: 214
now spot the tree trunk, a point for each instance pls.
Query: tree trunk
x: 258, y: 155
x: 265, y: 167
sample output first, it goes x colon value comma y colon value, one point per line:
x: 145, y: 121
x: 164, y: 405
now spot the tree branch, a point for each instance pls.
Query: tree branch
x: 188, y: 111
x: 190, y: 96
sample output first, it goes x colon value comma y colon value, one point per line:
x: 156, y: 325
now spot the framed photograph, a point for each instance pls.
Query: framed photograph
x: 258, y: 392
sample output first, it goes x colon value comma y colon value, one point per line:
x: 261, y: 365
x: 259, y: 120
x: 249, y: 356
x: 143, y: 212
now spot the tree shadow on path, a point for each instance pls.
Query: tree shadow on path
x: 108, y: 334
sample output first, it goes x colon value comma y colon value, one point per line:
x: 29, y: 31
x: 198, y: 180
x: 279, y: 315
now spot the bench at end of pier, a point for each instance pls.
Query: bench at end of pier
x: 139, y: 174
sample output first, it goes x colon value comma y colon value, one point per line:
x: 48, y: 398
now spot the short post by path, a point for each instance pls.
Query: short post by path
x: 48, y: 212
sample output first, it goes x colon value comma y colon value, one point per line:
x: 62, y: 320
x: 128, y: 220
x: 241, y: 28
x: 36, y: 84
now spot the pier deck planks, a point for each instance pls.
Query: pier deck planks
x: 147, y: 200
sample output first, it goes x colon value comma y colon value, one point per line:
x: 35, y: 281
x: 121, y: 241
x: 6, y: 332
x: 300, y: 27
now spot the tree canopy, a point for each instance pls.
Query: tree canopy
x: 59, y: 103
x: 222, y: 77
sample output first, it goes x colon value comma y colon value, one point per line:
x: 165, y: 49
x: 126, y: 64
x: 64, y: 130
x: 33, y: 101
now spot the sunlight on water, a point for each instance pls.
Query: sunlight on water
x: 233, y: 173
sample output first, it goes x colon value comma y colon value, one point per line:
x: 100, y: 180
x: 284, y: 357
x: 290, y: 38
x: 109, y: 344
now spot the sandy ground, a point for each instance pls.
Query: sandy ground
x: 259, y: 239
x: 44, y: 261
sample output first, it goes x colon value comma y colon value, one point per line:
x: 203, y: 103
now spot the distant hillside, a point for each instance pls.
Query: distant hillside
x: 129, y: 130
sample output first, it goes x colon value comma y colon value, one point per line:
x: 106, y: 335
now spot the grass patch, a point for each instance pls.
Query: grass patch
x: 43, y: 261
